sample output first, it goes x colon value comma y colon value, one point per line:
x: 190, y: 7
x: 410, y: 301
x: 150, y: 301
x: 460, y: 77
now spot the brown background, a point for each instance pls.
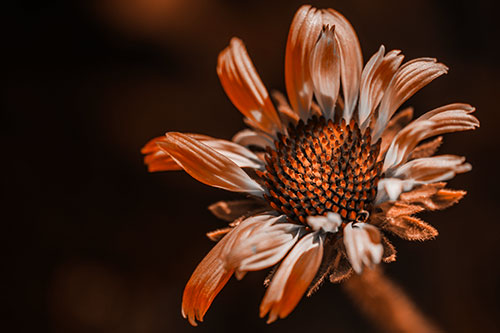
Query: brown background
x: 96, y: 244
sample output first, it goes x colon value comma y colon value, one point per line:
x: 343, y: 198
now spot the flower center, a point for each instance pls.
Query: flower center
x: 323, y: 167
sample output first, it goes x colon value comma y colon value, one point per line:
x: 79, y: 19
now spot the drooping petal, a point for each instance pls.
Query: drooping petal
x: 432, y: 169
x: 207, y: 165
x: 363, y: 245
x: 267, y: 245
x: 212, y: 273
x: 304, y: 32
x: 292, y: 278
x: 375, y: 78
x: 450, y: 118
x: 245, y: 89
x: 351, y: 59
x: 409, y: 79
x: 231, y: 210
x: 325, y: 71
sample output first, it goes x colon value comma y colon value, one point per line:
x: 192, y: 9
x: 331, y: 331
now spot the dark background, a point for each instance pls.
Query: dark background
x: 94, y: 243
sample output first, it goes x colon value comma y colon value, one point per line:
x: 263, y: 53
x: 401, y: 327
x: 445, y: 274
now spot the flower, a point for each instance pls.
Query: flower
x: 325, y: 174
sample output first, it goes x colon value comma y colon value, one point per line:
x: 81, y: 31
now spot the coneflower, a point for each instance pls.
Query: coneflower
x: 325, y: 174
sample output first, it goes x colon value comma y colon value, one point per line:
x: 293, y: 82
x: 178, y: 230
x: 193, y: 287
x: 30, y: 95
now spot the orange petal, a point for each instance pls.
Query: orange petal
x: 351, y: 58
x: 213, y: 273
x: 304, y: 32
x: 449, y: 118
x: 409, y: 79
x: 292, y: 278
x: 432, y: 169
x: 395, y: 125
x: 426, y: 149
x: 207, y: 165
x: 325, y: 71
x: 375, y: 78
x: 244, y: 88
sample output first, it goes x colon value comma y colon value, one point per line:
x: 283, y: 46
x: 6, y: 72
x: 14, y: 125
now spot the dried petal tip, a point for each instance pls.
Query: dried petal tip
x: 363, y: 244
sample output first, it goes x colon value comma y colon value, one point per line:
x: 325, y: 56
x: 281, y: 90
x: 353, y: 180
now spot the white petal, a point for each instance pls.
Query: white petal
x: 329, y: 223
x: 363, y: 246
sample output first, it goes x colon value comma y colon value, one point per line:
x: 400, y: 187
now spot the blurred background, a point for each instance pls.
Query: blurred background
x: 94, y: 243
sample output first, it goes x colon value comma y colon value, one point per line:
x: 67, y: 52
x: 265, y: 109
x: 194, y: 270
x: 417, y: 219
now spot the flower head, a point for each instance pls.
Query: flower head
x: 325, y: 174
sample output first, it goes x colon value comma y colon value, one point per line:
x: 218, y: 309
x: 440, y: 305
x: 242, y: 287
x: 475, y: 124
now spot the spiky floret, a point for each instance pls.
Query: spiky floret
x: 320, y: 167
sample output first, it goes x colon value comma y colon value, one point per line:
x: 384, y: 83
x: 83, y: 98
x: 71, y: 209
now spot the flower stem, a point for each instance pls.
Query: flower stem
x: 386, y: 304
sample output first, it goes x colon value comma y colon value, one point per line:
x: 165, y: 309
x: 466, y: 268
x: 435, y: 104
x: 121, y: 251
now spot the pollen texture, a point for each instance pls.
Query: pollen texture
x: 322, y: 167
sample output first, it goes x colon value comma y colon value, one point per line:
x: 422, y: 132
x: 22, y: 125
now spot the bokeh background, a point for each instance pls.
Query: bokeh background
x: 94, y: 243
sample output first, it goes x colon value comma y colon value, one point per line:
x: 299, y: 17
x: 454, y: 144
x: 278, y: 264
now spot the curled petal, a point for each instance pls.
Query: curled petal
x: 292, y: 278
x: 351, y: 59
x: 304, y: 32
x: 450, y: 118
x: 325, y: 71
x: 329, y: 223
x: 267, y: 245
x: 409, y: 79
x: 432, y: 169
x: 245, y: 89
x: 248, y: 137
x: 389, y: 251
x: 375, y: 78
x: 363, y: 245
x: 207, y: 165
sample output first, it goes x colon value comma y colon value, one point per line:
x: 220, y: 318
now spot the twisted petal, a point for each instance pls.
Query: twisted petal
x: 351, y: 59
x: 304, y: 31
x: 449, y: 118
x: 363, y: 245
x: 212, y: 273
x: 409, y: 79
x: 292, y: 278
x: 207, y: 165
x: 325, y: 71
x: 245, y: 89
x: 267, y: 245
x: 375, y: 78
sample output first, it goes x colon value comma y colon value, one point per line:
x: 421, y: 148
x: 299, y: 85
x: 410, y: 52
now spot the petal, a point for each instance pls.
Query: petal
x: 304, y: 31
x: 248, y: 137
x: 450, y: 118
x: 159, y: 160
x: 432, y: 196
x: 389, y: 251
x: 245, y: 89
x: 267, y: 245
x: 410, y: 228
x: 207, y: 165
x: 363, y: 245
x: 325, y: 71
x: 432, y: 169
x: 375, y: 78
x: 389, y: 189
x: 292, y: 278
x: 395, y: 125
x: 329, y: 223
x: 351, y: 59
x: 426, y: 149
x: 231, y: 210
x: 286, y: 112
x: 212, y: 273
x: 409, y: 79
